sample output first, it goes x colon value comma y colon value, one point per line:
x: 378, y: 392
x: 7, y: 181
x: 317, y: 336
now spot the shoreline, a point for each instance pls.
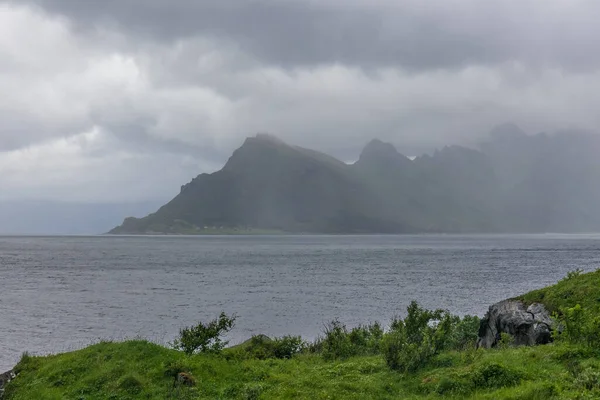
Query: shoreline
x: 362, y: 362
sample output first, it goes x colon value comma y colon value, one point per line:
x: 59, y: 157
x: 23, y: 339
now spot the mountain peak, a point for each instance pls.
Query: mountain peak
x: 377, y: 152
x: 377, y: 148
x: 255, y: 148
x: 507, y: 131
x: 261, y: 140
x: 267, y: 137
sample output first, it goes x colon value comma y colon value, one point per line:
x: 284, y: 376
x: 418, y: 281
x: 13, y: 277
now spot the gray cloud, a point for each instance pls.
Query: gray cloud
x: 367, y: 33
x: 126, y: 100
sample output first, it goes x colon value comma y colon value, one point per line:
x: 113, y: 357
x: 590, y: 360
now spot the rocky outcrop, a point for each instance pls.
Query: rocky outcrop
x: 528, y: 325
x: 4, y: 379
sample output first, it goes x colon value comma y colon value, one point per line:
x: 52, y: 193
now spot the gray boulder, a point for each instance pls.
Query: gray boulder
x: 4, y: 379
x: 528, y: 325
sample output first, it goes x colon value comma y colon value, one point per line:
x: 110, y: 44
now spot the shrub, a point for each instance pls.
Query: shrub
x: 572, y: 274
x: 338, y: 342
x: 252, y: 391
x: 496, y: 376
x: 287, y: 346
x: 186, y: 379
x: 578, y: 326
x: 574, y: 324
x: 174, y: 368
x: 451, y: 385
x: 26, y: 360
x: 408, y: 344
x: 402, y: 355
x: 366, y: 339
x: 412, y: 342
x: 262, y: 347
x: 588, y: 379
x: 131, y: 385
x: 205, y: 338
x: 258, y: 346
x: 464, y: 334
x: 506, y: 340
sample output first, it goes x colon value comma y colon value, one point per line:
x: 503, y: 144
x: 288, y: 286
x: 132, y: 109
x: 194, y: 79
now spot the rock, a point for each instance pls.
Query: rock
x: 5, y: 378
x: 527, y: 325
x: 186, y: 379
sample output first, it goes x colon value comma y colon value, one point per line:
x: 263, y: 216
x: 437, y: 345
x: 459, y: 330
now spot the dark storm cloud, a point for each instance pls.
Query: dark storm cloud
x: 128, y: 99
x: 413, y: 34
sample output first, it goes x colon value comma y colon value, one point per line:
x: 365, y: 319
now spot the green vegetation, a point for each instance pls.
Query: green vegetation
x: 575, y: 288
x: 205, y: 338
x: 180, y: 227
x: 575, y: 301
x: 262, y: 347
x: 426, y: 355
x: 412, y: 343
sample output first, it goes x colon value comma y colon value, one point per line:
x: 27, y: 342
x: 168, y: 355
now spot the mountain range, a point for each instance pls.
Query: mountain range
x: 514, y: 182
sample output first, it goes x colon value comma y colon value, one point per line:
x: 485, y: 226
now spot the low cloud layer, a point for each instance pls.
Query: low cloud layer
x: 126, y: 100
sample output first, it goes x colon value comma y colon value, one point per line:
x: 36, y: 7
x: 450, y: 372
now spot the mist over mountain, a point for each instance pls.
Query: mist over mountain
x: 513, y: 183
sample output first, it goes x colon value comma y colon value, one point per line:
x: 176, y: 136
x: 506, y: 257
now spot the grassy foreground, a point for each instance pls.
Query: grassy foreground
x: 142, y: 370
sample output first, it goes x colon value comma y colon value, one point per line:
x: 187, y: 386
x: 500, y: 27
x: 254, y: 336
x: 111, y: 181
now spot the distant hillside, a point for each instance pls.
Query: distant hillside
x: 514, y: 183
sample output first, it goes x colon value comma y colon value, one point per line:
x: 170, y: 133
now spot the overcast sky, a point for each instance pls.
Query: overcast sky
x: 126, y: 100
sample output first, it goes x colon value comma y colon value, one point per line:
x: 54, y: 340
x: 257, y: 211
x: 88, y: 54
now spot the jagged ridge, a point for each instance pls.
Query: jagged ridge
x: 516, y: 182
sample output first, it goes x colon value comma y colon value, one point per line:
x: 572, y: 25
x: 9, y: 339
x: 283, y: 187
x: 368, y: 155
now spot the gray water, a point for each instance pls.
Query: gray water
x: 63, y: 293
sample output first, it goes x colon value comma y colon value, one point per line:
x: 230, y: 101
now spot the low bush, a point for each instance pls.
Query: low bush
x: 366, y: 339
x: 496, y: 376
x: 336, y: 343
x: 413, y: 341
x: 578, y: 326
x: 572, y: 275
x: 588, y: 379
x: 407, y: 345
x: 131, y: 385
x: 262, y: 347
x: 340, y: 343
x: 287, y: 346
x: 453, y: 386
x: 506, y: 340
x: 464, y: 333
x: 173, y: 368
x: 205, y: 337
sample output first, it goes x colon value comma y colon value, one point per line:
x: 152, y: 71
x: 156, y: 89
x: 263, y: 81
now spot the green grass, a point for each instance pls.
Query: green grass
x: 139, y: 370
x: 142, y: 370
x: 576, y: 288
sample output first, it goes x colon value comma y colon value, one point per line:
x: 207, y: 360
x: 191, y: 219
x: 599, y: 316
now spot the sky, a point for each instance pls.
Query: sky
x: 126, y: 100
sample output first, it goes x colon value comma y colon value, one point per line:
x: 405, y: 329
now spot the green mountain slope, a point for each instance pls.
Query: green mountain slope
x: 515, y: 183
x: 269, y: 185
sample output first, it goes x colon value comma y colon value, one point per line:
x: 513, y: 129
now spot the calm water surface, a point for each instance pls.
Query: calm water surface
x: 63, y: 293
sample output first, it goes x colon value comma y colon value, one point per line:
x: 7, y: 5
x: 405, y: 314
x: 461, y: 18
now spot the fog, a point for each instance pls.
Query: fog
x: 124, y: 101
